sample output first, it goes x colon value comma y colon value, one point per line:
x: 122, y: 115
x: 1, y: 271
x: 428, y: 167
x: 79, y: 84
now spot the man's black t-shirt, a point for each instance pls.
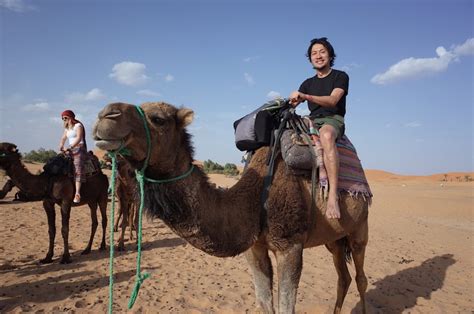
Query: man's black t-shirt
x: 323, y: 87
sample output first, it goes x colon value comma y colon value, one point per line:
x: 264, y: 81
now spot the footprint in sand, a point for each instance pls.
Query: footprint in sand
x: 80, y: 304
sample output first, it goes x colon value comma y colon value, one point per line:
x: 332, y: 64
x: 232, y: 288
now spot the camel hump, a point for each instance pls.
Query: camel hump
x: 58, y: 165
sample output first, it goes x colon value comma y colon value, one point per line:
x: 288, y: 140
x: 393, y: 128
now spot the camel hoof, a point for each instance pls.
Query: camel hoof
x: 46, y: 260
x: 103, y: 247
x: 66, y: 260
x: 86, y: 251
x: 120, y: 248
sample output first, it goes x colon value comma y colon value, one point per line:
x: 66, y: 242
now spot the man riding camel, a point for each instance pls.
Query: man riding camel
x: 326, y: 96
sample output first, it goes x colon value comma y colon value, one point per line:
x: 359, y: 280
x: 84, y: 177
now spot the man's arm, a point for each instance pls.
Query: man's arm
x: 324, y: 101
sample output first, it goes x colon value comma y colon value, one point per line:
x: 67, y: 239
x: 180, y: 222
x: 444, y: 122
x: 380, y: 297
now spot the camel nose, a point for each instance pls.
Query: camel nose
x: 110, y: 111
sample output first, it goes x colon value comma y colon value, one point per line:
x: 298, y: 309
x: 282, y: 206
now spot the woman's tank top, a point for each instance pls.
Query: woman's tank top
x: 72, y: 134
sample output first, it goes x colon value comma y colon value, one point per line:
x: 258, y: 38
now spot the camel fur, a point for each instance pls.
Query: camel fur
x: 58, y: 190
x: 229, y: 222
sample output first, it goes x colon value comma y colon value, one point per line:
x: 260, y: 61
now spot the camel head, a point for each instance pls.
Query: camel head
x: 8, y: 154
x: 120, y: 127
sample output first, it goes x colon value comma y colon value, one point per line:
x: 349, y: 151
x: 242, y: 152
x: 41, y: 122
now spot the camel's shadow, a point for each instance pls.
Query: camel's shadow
x: 399, y: 292
x: 62, y: 287
x: 33, y: 267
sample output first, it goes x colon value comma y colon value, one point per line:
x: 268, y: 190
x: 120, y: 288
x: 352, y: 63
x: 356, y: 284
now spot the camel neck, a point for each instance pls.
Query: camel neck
x: 24, y: 180
x: 213, y: 220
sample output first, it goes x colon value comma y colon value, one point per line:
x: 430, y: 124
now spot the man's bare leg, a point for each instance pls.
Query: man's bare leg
x: 328, y: 137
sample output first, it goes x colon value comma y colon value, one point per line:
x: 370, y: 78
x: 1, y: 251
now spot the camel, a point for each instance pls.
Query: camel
x: 58, y: 190
x: 229, y: 222
x: 9, y: 185
x: 126, y: 189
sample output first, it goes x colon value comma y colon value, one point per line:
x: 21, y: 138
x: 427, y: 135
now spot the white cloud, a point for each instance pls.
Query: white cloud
x: 169, y: 78
x: 92, y: 95
x: 129, y: 73
x: 249, y: 79
x: 273, y: 95
x: 147, y: 92
x: 350, y: 67
x: 465, y: 49
x: 18, y: 6
x: 416, y: 67
x: 41, y: 106
x: 413, y: 124
x: 251, y: 59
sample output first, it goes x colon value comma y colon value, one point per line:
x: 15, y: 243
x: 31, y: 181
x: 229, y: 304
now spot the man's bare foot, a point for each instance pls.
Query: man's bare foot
x: 332, y: 208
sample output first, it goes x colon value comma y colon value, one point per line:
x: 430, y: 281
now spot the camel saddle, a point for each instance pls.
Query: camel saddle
x: 62, y: 164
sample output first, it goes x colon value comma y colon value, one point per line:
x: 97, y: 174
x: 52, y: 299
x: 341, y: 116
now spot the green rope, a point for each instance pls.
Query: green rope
x: 140, y: 175
x: 113, y: 155
x: 187, y: 173
x: 140, y: 277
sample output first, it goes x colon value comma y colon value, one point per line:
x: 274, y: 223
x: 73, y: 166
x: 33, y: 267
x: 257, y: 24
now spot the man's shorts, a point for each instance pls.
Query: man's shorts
x: 336, y: 121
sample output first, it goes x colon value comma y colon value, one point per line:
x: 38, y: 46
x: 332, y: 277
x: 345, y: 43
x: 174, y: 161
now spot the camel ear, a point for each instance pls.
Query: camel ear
x: 185, y: 116
x: 13, y: 148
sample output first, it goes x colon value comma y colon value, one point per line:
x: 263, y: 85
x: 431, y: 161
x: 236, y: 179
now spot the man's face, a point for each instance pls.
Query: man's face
x: 319, y: 57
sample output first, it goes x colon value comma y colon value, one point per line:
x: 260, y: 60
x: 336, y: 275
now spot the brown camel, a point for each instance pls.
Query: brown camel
x: 9, y: 185
x: 229, y: 222
x: 58, y: 190
x: 125, y: 189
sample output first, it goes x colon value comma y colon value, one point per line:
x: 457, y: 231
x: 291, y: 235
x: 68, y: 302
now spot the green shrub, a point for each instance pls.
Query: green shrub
x: 212, y: 167
x: 41, y: 155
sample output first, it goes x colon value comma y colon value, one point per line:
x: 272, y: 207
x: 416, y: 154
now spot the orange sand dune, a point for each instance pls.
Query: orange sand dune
x: 380, y: 175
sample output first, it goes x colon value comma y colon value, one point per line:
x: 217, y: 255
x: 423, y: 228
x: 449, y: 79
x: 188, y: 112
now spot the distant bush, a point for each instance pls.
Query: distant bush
x: 212, y: 167
x: 231, y: 170
x: 41, y: 155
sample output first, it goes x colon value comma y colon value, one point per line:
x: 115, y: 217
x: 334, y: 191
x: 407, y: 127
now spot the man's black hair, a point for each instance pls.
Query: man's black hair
x: 323, y: 41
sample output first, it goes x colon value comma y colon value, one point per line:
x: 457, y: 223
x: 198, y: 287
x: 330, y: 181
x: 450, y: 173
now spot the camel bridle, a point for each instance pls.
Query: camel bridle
x: 141, y: 178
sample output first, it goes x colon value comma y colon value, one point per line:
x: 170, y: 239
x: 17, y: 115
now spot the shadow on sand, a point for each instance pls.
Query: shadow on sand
x: 399, y: 292
x: 68, y: 285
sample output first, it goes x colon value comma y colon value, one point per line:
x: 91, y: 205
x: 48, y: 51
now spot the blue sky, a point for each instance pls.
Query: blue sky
x: 410, y: 102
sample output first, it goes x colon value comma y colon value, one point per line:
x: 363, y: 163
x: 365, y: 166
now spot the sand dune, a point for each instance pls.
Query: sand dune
x: 419, y: 260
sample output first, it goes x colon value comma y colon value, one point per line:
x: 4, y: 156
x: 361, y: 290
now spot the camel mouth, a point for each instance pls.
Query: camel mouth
x: 109, y: 145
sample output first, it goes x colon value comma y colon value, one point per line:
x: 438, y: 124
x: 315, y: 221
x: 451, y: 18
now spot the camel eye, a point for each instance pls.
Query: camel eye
x: 158, y: 121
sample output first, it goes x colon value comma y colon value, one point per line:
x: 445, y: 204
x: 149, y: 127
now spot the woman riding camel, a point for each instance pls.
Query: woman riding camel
x: 74, y: 132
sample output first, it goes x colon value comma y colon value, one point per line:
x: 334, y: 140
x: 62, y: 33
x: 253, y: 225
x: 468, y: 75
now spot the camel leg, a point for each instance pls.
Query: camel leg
x: 358, y: 242
x: 124, y: 212
x: 117, y: 220
x: 6, y: 188
x: 261, y: 266
x: 289, y: 266
x: 51, y: 214
x: 95, y: 223
x: 344, y: 278
x: 103, y: 214
x: 65, y: 215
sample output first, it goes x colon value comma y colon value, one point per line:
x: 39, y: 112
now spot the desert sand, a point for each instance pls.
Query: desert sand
x: 419, y: 259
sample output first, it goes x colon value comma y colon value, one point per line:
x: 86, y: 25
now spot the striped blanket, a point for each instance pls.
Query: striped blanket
x: 351, y: 174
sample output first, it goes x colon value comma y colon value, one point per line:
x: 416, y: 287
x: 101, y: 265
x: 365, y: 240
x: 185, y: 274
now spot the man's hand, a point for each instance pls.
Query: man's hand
x: 296, y: 98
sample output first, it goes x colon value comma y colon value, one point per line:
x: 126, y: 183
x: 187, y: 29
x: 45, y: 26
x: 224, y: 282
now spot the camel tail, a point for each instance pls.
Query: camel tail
x: 347, y: 250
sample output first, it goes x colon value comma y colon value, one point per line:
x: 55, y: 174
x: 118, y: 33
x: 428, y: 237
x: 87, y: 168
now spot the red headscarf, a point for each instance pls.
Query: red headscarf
x: 69, y: 114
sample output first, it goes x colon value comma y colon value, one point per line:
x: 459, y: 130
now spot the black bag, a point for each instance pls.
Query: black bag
x: 254, y: 130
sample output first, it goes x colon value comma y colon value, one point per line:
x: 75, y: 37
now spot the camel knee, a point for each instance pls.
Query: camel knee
x: 361, y: 281
x: 345, y: 280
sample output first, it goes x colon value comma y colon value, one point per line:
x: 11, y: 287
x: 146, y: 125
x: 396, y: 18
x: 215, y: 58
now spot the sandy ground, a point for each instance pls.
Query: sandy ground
x: 419, y: 260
